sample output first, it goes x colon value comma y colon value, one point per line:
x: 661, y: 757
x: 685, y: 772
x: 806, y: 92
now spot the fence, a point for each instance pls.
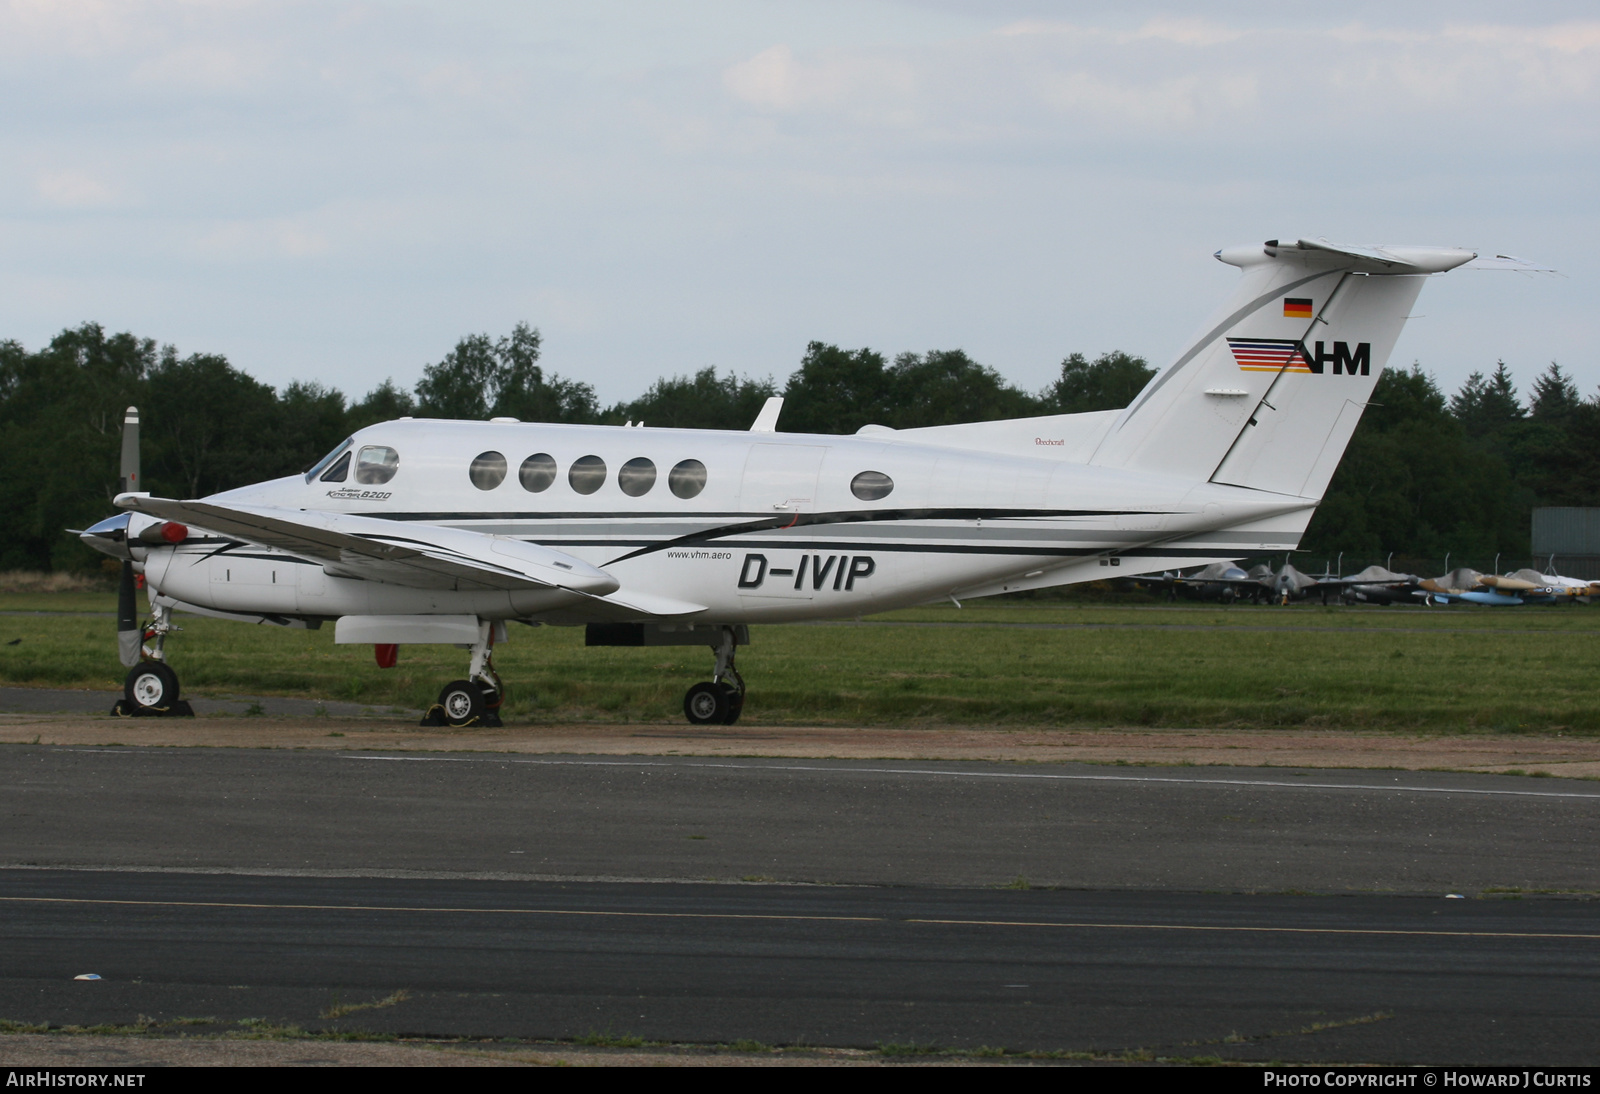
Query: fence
x: 1586, y: 567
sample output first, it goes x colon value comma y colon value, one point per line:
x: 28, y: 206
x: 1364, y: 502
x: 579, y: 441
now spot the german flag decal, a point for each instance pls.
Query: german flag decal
x: 1295, y: 307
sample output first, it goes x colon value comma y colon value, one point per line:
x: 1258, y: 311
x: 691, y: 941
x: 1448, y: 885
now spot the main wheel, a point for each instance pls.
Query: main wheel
x: 151, y: 685
x: 735, y: 699
x: 706, y: 704
x: 462, y: 701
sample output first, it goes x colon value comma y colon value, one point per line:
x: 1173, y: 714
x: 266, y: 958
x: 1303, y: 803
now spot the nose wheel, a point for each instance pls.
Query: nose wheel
x: 151, y: 691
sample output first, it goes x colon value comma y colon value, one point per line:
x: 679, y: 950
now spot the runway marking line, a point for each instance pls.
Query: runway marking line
x: 935, y: 771
x: 408, y: 908
x: 979, y: 775
x: 1068, y: 924
x: 1392, y: 931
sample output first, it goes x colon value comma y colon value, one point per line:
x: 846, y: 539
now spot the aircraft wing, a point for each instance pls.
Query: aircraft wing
x: 400, y: 553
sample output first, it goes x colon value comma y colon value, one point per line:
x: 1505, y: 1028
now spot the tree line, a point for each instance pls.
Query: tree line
x: 1424, y: 474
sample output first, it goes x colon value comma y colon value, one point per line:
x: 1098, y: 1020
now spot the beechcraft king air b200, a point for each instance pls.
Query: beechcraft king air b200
x: 432, y: 531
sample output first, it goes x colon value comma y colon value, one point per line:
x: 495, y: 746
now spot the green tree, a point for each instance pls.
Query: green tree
x: 703, y: 401
x: 384, y: 403
x: 836, y: 391
x: 464, y: 384
x: 1109, y: 382
x: 1487, y: 406
x: 1570, y: 469
x: 208, y: 427
x: 61, y: 414
x: 945, y: 387
x: 1414, y: 482
x: 1553, y: 396
x: 311, y: 420
x: 484, y: 377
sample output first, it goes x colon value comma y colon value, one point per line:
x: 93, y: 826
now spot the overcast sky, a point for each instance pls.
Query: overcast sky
x: 339, y: 191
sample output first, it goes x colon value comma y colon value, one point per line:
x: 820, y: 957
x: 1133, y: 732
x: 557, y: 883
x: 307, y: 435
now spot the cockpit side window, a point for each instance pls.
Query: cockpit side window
x: 340, y: 469
x: 316, y: 469
x: 376, y: 464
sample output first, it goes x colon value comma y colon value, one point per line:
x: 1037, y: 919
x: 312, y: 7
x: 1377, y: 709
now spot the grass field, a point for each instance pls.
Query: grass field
x: 1456, y: 669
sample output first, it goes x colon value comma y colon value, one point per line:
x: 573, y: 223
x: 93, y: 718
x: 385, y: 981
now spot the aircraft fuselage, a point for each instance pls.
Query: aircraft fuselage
x: 783, y: 527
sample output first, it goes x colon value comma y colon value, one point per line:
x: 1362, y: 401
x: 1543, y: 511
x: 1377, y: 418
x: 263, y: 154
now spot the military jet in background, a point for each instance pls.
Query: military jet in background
x: 1374, y: 585
x: 1228, y: 583
x: 1220, y: 581
x: 1525, y: 586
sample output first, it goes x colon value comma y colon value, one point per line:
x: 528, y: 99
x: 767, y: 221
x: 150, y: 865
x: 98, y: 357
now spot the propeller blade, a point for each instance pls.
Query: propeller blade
x: 128, y: 637
x: 130, y: 452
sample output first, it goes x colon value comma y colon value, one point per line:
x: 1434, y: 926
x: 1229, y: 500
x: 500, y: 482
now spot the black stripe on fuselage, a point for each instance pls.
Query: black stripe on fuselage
x: 856, y: 546
x: 785, y: 521
x: 945, y: 513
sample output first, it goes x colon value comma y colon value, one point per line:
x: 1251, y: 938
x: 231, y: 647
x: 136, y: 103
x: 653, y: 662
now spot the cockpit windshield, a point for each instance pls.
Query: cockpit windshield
x: 316, y: 468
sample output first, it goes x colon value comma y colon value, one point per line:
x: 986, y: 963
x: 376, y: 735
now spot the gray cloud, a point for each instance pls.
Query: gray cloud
x: 339, y: 191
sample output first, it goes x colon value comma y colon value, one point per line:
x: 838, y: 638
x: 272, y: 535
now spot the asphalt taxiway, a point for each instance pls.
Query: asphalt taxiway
x: 1173, y: 975
x: 815, y: 821
x: 1250, y: 913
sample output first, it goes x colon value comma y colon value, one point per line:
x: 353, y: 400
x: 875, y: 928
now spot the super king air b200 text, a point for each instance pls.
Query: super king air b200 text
x: 430, y: 531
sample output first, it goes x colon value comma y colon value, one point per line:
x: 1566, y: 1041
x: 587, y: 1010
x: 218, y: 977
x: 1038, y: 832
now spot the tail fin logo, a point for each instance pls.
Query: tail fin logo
x: 1269, y: 355
x: 1290, y: 355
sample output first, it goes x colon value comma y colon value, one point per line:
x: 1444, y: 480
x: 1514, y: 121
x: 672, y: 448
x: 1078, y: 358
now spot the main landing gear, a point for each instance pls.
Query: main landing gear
x: 475, y: 701
x: 151, y: 687
x: 720, y: 700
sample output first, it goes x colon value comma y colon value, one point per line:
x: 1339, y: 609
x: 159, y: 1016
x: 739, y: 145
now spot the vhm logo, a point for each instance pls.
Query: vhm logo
x: 1341, y: 358
x: 838, y: 572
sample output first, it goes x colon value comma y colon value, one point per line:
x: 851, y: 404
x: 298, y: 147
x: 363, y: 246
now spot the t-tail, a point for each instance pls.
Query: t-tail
x: 1269, y: 394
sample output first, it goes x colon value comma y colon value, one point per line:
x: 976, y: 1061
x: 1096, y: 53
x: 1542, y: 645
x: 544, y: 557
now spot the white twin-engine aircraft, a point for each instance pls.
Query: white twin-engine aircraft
x: 432, y: 531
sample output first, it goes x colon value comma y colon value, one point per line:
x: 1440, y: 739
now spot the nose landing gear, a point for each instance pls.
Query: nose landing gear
x: 475, y: 701
x: 151, y: 687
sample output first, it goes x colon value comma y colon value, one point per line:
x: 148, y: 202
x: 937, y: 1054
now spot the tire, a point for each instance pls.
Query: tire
x: 462, y: 703
x: 706, y: 704
x: 151, y: 685
x: 735, y: 700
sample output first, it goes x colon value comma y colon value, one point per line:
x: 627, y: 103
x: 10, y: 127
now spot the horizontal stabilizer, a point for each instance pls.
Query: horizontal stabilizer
x: 1507, y: 262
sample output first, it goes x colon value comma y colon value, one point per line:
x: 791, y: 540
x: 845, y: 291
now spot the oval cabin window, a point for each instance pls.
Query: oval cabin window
x: 687, y: 478
x: 376, y: 465
x: 538, y: 471
x: 871, y: 485
x: 588, y: 474
x: 636, y: 477
x: 488, y: 470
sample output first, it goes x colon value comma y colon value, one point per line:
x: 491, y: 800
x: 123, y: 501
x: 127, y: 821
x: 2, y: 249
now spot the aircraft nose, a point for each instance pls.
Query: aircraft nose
x: 109, y: 536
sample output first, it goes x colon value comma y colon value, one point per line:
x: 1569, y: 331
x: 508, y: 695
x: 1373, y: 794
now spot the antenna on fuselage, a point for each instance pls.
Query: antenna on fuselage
x: 767, y: 420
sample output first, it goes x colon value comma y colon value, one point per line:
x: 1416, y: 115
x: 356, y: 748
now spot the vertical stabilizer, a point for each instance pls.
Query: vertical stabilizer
x: 1269, y: 394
